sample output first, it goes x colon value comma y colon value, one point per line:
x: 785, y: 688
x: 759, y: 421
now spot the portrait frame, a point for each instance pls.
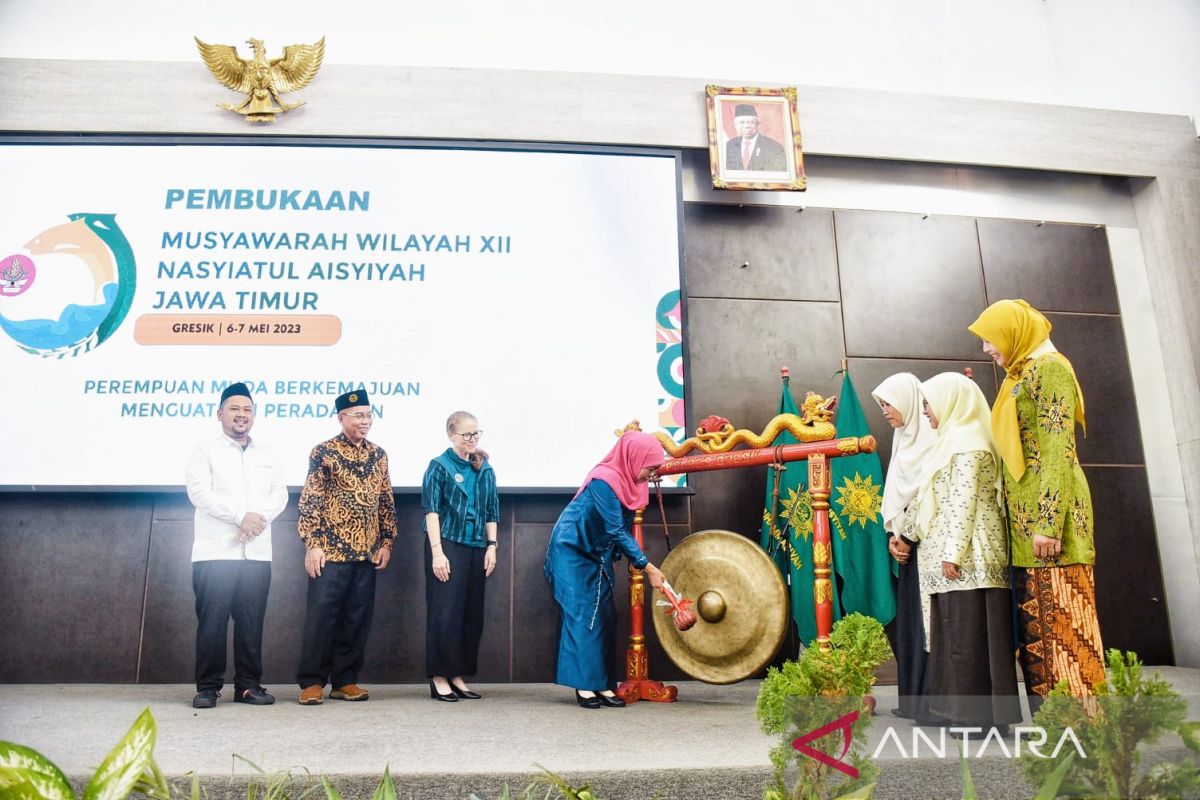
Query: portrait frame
x: 774, y: 158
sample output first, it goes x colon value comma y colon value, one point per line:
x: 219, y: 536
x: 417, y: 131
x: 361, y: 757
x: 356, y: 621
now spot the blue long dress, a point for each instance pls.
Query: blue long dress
x: 579, y: 568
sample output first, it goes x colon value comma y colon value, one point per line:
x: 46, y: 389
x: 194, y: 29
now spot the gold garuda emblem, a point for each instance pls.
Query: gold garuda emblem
x: 261, y: 78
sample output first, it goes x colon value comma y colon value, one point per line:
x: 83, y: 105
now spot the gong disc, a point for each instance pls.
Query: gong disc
x: 740, y: 600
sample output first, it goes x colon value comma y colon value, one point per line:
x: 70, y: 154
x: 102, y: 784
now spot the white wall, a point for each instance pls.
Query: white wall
x: 1134, y: 55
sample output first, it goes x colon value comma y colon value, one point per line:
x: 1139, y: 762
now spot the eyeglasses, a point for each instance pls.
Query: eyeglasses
x: 470, y: 437
x: 360, y: 416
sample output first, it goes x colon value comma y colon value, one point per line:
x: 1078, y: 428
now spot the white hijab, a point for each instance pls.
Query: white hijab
x: 964, y: 426
x: 911, y: 443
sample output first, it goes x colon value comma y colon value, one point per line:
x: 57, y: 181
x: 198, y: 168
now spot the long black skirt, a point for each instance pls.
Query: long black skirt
x: 972, y: 658
x: 908, y: 643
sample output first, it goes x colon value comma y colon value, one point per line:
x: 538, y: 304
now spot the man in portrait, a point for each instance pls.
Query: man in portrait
x: 751, y: 150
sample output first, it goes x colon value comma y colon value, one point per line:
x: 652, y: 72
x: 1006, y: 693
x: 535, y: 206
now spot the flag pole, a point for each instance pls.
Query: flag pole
x: 793, y: 633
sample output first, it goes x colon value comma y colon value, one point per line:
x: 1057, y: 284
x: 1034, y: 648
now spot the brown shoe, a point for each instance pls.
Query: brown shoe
x: 351, y: 691
x: 312, y: 696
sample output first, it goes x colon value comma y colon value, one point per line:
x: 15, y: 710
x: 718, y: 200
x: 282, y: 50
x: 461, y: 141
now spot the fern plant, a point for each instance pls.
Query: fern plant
x: 1128, y: 709
x: 815, y: 690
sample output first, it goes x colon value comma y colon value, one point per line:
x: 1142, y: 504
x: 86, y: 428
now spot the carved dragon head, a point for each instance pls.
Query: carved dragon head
x: 817, y: 408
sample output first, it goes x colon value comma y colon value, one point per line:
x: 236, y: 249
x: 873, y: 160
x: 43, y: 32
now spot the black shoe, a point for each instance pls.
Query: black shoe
x: 587, y: 702
x: 255, y: 696
x: 465, y: 694
x: 612, y: 701
x: 205, y: 698
x: 434, y: 694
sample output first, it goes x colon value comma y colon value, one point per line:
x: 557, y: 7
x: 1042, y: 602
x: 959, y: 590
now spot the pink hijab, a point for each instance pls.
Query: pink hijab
x: 633, y: 452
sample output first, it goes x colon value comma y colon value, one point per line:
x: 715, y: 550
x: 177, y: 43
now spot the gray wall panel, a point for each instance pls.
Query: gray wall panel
x: 1095, y: 345
x: 761, y: 253
x: 1054, y: 267
x: 535, y: 616
x: 73, y: 588
x: 283, y: 627
x: 1129, y: 590
x: 169, y: 631
x: 910, y: 284
x: 396, y: 649
x: 737, y: 348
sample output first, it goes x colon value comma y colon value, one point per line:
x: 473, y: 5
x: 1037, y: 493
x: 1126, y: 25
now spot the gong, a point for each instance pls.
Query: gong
x: 740, y: 600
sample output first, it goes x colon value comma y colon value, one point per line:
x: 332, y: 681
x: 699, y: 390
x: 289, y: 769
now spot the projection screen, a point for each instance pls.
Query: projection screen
x: 538, y: 289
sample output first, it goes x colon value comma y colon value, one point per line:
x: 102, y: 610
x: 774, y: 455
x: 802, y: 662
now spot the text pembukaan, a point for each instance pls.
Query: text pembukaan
x: 267, y: 200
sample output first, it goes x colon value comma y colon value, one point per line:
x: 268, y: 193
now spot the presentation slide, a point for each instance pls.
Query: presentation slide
x: 538, y: 290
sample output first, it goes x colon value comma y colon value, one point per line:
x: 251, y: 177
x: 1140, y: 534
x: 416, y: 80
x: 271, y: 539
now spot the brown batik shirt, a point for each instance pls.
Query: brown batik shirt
x: 347, y: 508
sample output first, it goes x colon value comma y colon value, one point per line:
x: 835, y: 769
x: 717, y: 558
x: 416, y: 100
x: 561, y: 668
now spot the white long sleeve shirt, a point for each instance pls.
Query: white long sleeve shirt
x: 224, y: 483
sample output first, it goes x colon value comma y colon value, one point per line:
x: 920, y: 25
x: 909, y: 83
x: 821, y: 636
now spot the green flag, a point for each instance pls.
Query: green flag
x: 789, y: 540
x: 860, y: 554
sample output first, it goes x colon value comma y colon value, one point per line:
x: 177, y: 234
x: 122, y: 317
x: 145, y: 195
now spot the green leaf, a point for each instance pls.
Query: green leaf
x: 21, y: 765
x: 1049, y: 789
x: 1190, y: 733
x: 386, y: 789
x: 196, y: 794
x: 153, y: 783
x: 330, y: 792
x: 252, y: 765
x: 123, y: 767
x: 20, y: 791
x: 967, y: 781
x: 861, y: 793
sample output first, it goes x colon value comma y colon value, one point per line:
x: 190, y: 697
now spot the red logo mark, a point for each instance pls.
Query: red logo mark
x: 843, y: 723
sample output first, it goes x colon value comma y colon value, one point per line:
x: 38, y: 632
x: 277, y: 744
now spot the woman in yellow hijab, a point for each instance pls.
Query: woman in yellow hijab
x: 1047, y: 498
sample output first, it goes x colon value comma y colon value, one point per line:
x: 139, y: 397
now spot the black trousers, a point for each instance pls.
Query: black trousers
x: 454, y: 611
x: 341, y: 601
x: 224, y: 590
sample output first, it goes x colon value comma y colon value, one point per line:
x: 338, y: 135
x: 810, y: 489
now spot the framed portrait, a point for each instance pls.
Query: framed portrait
x: 754, y: 138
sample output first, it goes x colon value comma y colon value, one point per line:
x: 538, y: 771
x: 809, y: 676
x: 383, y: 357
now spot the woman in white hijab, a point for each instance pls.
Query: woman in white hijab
x: 972, y: 671
x: 899, y: 398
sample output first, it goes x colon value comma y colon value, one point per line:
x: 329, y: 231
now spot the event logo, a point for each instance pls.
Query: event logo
x: 80, y: 293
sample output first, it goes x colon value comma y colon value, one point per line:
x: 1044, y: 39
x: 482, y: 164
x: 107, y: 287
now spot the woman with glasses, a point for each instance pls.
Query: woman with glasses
x: 592, y: 530
x: 462, y: 509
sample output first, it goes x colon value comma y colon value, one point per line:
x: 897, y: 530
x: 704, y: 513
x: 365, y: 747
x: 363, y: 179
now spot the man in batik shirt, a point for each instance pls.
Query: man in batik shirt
x: 347, y: 522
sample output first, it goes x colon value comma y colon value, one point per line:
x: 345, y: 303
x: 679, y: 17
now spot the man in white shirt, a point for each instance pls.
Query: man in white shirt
x: 237, y: 490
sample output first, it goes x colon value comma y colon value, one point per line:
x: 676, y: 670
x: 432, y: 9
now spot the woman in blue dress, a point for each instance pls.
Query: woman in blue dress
x: 592, y: 530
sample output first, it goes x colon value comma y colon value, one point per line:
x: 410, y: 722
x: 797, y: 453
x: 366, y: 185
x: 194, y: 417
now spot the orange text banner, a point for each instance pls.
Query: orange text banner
x: 238, y: 329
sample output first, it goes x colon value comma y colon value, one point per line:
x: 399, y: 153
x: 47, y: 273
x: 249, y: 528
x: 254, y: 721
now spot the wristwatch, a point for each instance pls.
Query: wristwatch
x: 491, y: 543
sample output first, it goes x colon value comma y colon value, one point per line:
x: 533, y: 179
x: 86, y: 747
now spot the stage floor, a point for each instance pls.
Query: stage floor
x: 708, y: 744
